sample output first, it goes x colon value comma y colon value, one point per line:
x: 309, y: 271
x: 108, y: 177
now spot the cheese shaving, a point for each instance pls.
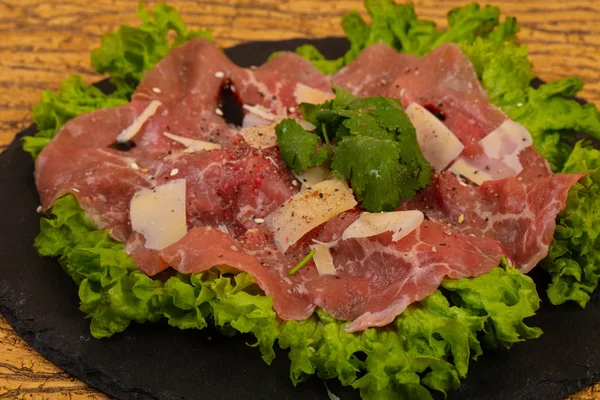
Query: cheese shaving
x: 314, y: 175
x: 401, y: 223
x: 307, y: 94
x: 463, y: 168
x: 192, y: 145
x: 133, y: 129
x: 323, y: 259
x: 438, y: 144
x: 260, y: 111
x: 260, y: 137
x: 159, y: 214
x: 308, y: 209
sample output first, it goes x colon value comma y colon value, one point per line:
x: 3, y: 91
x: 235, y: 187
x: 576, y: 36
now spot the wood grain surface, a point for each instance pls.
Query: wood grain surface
x: 43, y: 42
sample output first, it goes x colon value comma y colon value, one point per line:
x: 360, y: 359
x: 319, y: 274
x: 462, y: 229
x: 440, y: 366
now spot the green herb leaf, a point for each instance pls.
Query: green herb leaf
x: 300, y: 149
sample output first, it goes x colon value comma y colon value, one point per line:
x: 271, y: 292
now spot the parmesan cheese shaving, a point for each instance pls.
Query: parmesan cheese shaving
x: 260, y: 137
x: 159, y: 214
x: 463, y: 168
x: 192, y: 144
x: 306, y: 125
x: 308, y: 209
x: 323, y: 259
x: 252, y: 119
x: 438, y: 144
x: 508, y: 139
x: 306, y: 94
x: 314, y: 175
x: 133, y: 129
x: 401, y: 223
x: 260, y: 111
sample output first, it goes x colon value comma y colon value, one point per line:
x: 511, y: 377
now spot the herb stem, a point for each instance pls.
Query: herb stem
x: 302, y: 263
x: 329, y: 148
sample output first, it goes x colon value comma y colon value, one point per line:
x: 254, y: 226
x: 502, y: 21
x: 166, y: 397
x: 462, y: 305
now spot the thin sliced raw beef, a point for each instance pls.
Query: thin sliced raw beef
x: 231, y: 190
x: 520, y: 215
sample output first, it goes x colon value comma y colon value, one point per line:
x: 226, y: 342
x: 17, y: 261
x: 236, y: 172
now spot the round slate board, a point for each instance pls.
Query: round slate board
x: 155, y: 361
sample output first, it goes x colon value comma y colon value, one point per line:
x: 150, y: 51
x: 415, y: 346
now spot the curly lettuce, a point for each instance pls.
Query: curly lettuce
x: 428, y: 347
x: 574, y: 258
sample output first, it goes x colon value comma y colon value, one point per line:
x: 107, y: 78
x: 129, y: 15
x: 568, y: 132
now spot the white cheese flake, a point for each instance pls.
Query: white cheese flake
x: 323, y: 259
x: 260, y: 137
x: 438, y: 144
x: 307, y: 94
x: 174, y: 172
x: 400, y: 223
x: 159, y: 214
x: 308, y: 209
x: 260, y: 111
x: 133, y: 129
x: 314, y: 175
x: 193, y: 145
x: 463, y: 168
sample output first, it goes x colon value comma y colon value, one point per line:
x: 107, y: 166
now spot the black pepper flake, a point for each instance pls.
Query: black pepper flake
x: 321, y: 195
x: 273, y: 97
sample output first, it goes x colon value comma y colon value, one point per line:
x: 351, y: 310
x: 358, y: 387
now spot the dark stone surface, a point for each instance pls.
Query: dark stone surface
x: 155, y: 361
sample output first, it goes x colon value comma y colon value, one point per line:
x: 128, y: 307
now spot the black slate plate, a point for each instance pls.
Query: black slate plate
x: 155, y: 361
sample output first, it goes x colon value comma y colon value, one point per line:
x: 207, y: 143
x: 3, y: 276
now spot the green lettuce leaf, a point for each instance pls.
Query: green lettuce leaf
x: 55, y: 108
x: 574, y: 258
x: 129, y: 52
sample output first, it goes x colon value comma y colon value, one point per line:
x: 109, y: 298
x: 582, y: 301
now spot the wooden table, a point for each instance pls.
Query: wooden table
x: 42, y: 42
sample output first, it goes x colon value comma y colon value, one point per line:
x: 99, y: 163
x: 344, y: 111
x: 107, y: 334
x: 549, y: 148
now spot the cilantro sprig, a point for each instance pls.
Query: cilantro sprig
x: 371, y: 142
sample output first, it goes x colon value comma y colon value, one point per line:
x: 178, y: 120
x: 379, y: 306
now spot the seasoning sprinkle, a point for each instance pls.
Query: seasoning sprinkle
x: 259, y: 220
x: 219, y: 74
x: 461, y: 218
x: 520, y: 179
x: 219, y: 112
x: 174, y: 172
x: 294, y: 183
x: 144, y: 170
x: 75, y: 190
x: 156, y: 90
x: 38, y: 209
x: 292, y: 109
x: 135, y: 166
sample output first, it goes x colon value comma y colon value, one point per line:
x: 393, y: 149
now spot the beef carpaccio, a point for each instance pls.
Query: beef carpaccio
x: 232, y: 188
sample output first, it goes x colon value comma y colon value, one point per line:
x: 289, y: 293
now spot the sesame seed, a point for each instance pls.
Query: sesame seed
x: 519, y: 104
x: 219, y: 74
x: 75, y: 190
x: 38, y: 209
x: 292, y: 109
x: 219, y: 112
x: 461, y: 218
x: 174, y: 172
x: 156, y: 90
x: 259, y: 220
x: 294, y: 183
x: 144, y: 170
x: 520, y: 179
x: 134, y: 166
